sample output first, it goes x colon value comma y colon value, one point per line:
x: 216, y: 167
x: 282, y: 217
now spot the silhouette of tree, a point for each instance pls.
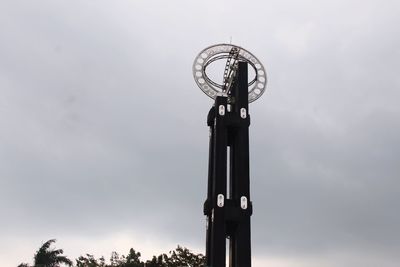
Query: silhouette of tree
x: 46, y: 257
x: 184, y: 257
x: 159, y: 261
x: 133, y: 259
x: 156, y: 262
x: 90, y: 261
x: 115, y: 259
x: 180, y: 257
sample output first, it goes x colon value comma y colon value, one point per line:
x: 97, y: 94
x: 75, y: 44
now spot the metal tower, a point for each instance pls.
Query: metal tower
x: 228, y: 207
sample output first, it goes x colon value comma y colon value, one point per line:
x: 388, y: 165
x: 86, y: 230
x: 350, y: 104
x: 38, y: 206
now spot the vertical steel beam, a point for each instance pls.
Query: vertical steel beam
x: 242, y: 245
x: 207, y: 210
x: 229, y: 217
x: 218, y: 238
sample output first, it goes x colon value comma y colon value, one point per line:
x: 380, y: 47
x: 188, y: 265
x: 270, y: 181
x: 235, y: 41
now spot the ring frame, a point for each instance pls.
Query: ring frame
x: 255, y: 90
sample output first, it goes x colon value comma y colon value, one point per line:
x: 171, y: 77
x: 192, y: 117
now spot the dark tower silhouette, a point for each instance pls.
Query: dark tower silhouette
x: 228, y: 207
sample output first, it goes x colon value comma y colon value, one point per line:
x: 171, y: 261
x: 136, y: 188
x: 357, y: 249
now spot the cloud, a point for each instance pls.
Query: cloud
x: 104, y: 132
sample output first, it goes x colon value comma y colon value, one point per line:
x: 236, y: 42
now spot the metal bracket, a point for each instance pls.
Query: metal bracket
x: 243, y: 113
x: 221, y: 110
x: 220, y: 200
x: 243, y: 202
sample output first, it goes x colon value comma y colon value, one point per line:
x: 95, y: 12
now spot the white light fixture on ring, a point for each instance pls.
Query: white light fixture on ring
x: 233, y: 54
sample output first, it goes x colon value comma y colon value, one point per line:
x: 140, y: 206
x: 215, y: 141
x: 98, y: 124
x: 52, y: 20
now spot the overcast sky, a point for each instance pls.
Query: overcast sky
x: 104, y: 143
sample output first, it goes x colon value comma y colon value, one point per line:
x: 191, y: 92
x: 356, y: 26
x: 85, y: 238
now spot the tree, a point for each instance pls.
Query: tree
x: 159, y: 261
x: 180, y: 257
x: 133, y: 259
x: 184, y: 257
x: 46, y: 257
x: 90, y: 261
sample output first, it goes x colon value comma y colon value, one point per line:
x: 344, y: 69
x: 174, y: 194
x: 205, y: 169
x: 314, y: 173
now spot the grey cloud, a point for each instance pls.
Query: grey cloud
x: 103, y: 128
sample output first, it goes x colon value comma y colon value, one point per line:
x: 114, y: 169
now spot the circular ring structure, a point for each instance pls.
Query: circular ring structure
x: 221, y: 51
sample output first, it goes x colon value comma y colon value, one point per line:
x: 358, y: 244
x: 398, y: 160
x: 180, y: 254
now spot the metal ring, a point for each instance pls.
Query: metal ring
x: 221, y: 51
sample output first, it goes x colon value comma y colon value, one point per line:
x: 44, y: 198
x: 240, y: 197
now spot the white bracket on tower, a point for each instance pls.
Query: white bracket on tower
x: 221, y: 110
x: 243, y: 113
x: 243, y: 202
x: 220, y: 200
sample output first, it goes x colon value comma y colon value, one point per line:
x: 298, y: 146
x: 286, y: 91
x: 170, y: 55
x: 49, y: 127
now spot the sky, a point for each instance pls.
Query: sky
x: 104, y: 142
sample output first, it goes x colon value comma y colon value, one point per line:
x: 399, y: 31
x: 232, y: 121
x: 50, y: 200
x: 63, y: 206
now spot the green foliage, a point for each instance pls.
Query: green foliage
x: 180, y: 257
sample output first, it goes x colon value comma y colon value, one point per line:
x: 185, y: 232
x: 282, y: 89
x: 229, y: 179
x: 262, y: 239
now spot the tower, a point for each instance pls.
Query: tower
x: 228, y: 206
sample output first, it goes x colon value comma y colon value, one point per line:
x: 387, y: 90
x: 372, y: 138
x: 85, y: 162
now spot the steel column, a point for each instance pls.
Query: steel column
x: 229, y: 217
